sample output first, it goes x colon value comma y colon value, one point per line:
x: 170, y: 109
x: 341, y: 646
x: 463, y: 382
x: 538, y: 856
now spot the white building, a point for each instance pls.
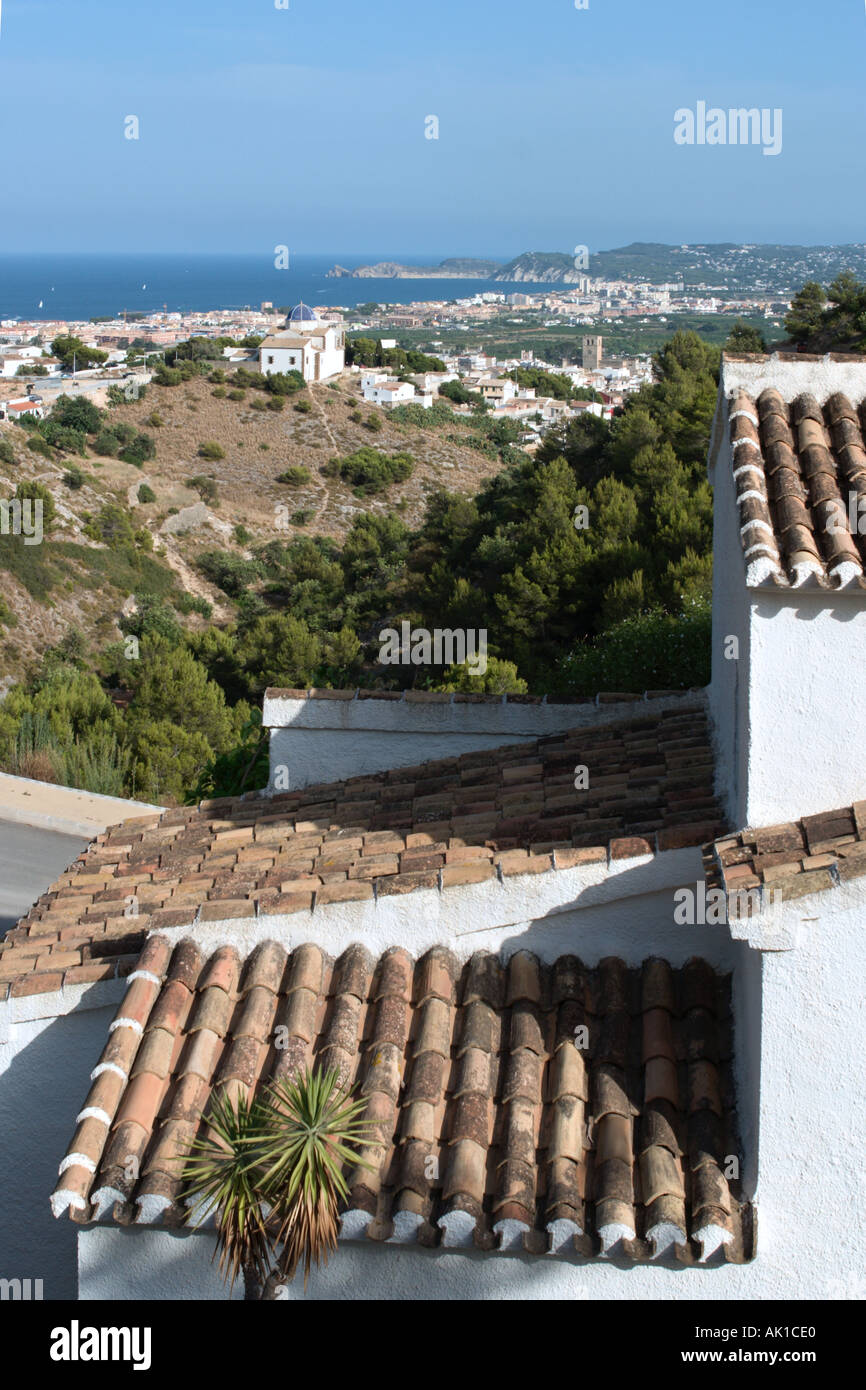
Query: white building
x: 634, y: 1084
x: 497, y: 390
x: 306, y: 345
x: 13, y: 358
x: 429, y: 382
x: 389, y: 392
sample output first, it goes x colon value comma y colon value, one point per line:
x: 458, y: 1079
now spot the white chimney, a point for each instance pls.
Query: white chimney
x: 788, y: 693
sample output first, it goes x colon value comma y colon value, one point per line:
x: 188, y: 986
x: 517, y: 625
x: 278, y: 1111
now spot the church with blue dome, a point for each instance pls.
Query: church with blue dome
x: 302, y: 313
x: 305, y: 344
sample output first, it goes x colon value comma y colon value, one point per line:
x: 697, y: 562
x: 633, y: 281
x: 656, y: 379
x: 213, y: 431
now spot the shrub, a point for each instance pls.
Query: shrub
x: 7, y: 617
x: 241, y: 534
x: 356, y: 416
x: 74, y: 477
x: 77, y: 413
x: 167, y: 376
x: 258, y: 405
x: 64, y: 438
x: 112, y: 526
x: 295, y: 476
x: 653, y: 650
x: 38, y: 492
x: 139, y: 450
x: 303, y: 407
x: 152, y: 616
x: 192, y: 603
x: 155, y: 420
x: 40, y: 446
x: 114, y: 437
x: 302, y: 516
x: 237, y: 395
x: 7, y: 453
x: 373, y: 423
x: 500, y: 678
x: 146, y: 493
x: 231, y: 573
x: 211, y: 450
x: 276, y: 404
x: 206, y: 489
x: 369, y: 471
x: 219, y: 392
x: 284, y: 383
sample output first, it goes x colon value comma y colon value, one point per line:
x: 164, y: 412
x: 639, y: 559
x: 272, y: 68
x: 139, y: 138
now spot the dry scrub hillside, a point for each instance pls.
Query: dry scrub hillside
x: 72, y: 580
x: 259, y: 445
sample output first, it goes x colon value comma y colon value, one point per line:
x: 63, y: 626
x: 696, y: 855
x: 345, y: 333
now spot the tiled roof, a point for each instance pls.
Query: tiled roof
x: 526, y: 1106
x: 480, y: 816
x: 793, y: 859
x: 797, y: 468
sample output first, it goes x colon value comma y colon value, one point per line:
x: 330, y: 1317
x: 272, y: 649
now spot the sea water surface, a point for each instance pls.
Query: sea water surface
x: 67, y: 286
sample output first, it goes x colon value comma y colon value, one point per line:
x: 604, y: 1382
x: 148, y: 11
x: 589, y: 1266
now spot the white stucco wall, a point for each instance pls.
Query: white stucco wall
x: 156, y: 1265
x: 729, y: 687
x: 328, y: 740
x: 807, y: 704
x: 45, y: 1067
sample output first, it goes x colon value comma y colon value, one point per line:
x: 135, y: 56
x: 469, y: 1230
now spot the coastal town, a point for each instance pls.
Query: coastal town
x: 589, y: 310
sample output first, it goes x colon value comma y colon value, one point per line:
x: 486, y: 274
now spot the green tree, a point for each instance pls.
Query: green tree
x: 743, y: 338
x: 71, y: 350
x: 803, y: 321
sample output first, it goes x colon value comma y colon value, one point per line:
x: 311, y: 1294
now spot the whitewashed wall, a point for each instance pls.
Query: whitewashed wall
x: 328, y: 740
x: 45, y: 1067
x: 729, y: 687
x: 807, y: 706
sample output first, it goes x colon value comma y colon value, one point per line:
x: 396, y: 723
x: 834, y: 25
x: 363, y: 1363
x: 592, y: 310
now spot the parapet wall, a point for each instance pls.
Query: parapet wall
x: 329, y: 735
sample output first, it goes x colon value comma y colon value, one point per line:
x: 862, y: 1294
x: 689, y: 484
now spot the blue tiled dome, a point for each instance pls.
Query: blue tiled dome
x: 302, y: 313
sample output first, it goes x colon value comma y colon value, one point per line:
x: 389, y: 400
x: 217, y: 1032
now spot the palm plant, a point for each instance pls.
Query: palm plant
x: 221, y: 1174
x: 314, y: 1126
x: 273, y: 1170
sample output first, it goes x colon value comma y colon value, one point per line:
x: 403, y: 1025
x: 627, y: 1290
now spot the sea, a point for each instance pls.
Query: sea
x: 65, y: 286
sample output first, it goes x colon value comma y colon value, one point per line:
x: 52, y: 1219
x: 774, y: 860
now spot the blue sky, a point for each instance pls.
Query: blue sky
x: 305, y: 126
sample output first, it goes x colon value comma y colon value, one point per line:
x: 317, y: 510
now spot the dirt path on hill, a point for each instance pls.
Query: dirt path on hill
x: 319, y: 481
x: 193, y: 583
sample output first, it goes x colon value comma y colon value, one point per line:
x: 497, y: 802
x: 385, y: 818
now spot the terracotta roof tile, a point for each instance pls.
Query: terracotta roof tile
x: 537, y: 1142
x: 485, y: 816
x: 800, y: 473
x: 793, y: 860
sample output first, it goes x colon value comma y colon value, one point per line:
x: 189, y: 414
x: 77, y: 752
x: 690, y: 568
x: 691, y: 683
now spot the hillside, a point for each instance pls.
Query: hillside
x: 455, y: 268
x: 75, y: 580
x: 541, y: 268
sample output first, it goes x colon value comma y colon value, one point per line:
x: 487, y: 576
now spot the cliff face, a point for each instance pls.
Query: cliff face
x: 548, y: 275
x: 460, y: 268
x: 536, y: 267
x: 541, y: 268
